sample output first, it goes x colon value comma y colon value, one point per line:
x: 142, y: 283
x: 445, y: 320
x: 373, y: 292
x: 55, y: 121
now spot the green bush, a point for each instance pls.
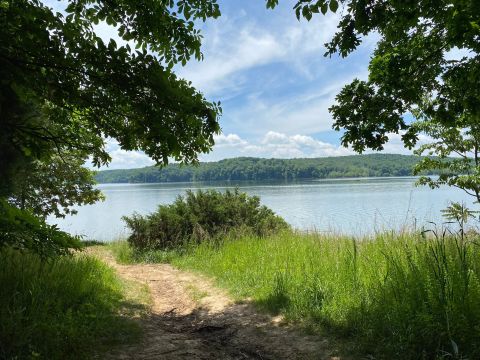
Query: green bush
x: 200, y: 216
x: 63, y: 308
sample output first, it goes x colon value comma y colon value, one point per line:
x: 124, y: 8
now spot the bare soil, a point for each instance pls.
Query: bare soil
x: 192, y: 319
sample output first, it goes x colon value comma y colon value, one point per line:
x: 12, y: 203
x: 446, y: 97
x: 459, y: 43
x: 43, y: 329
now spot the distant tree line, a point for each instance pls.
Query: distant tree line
x: 257, y: 169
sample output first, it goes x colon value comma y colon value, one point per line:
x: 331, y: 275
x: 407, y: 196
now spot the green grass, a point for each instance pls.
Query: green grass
x: 125, y: 254
x: 69, y: 307
x: 401, y: 297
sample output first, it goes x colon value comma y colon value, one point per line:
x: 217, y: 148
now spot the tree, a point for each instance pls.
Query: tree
x: 64, y: 90
x: 62, y: 87
x: 54, y: 187
x: 457, y: 151
x: 413, y: 70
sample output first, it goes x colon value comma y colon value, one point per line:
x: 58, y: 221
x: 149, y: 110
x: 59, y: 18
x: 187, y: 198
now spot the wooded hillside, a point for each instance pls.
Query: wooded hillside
x: 255, y: 169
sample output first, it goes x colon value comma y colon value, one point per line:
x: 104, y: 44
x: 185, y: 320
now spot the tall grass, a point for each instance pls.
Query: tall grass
x: 402, y: 297
x: 68, y: 307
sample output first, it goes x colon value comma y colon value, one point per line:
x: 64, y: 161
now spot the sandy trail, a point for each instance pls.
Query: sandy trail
x: 192, y: 319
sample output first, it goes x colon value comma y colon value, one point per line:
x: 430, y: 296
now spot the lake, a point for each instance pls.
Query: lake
x: 348, y: 206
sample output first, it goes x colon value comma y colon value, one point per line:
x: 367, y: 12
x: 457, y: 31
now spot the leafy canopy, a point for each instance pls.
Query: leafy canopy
x: 412, y: 61
x: 64, y: 90
x: 62, y: 86
x: 463, y: 142
x: 426, y: 63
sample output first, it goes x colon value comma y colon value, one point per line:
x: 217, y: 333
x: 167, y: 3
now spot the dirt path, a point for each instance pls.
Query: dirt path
x: 191, y: 319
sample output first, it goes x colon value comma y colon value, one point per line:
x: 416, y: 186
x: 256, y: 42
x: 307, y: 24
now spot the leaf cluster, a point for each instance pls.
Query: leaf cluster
x: 89, y: 89
x: 411, y: 62
x: 54, y: 187
x: 64, y: 90
x: 457, y: 151
x: 22, y: 230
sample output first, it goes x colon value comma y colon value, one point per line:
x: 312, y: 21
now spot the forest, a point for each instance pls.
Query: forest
x: 258, y: 169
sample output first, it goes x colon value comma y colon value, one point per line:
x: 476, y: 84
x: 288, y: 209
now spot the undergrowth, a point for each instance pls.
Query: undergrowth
x: 66, y: 307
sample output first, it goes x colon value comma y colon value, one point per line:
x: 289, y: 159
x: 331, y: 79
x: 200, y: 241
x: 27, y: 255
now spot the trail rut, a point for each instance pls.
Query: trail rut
x: 192, y: 319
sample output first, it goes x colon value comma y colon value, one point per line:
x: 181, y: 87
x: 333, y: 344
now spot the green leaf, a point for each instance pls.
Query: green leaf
x: 324, y: 8
x: 333, y: 5
x: 307, y: 14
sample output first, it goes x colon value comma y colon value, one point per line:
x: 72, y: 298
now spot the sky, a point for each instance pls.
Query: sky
x: 268, y: 70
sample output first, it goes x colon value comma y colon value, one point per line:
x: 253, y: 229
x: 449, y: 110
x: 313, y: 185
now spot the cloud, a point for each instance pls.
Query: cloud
x: 229, y: 140
x: 241, y: 41
x: 304, y: 111
x: 122, y: 159
x: 395, y: 144
x: 273, y: 145
x: 249, y: 48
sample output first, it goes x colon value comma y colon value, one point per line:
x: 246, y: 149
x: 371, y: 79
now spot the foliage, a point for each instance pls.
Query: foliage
x: 24, y: 231
x: 68, y: 307
x: 397, y: 297
x: 425, y: 63
x: 461, y: 171
x: 53, y: 187
x: 256, y: 169
x: 411, y: 62
x: 459, y: 213
x: 200, y: 216
x: 124, y: 253
x: 64, y: 91
x: 63, y: 86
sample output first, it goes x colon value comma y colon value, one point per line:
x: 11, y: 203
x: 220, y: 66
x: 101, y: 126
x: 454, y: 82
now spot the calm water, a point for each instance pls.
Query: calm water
x: 352, y: 206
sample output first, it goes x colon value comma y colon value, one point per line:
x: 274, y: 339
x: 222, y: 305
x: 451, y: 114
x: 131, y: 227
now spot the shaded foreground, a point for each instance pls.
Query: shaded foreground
x: 64, y: 308
x: 191, y: 319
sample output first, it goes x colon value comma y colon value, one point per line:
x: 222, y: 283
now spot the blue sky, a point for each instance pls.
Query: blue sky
x: 268, y: 70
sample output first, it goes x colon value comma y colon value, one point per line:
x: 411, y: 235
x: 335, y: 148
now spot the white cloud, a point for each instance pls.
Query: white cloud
x: 305, y: 112
x: 122, y: 159
x: 273, y: 145
x: 396, y: 146
x: 233, y: 44
x: 249, y: 48
x: 229, y: 140
x: 273, y: 138
x: 458, y: 54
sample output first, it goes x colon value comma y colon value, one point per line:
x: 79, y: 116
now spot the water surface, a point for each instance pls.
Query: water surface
x: 349, y: 206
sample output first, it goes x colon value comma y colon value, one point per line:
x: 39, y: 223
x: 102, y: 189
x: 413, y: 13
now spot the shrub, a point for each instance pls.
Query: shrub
x: 200, y: 216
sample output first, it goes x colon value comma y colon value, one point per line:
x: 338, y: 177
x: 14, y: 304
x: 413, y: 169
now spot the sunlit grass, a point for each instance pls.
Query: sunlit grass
x: 398, y: 296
